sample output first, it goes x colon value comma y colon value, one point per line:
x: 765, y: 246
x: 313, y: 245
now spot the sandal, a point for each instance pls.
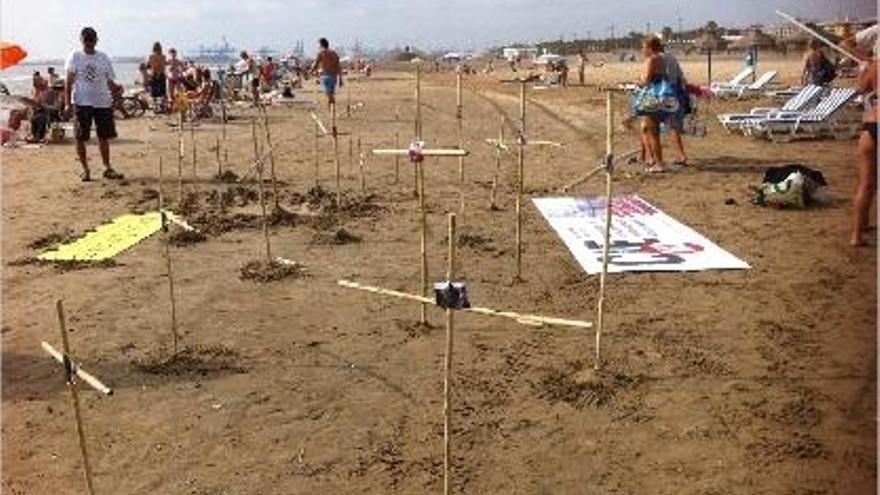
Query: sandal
x: 85, y: 176
x: 111, y: 174
x: 655, y: 169
x: 682, y: 163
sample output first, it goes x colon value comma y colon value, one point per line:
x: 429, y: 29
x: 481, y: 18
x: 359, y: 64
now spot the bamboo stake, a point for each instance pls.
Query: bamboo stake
x: 519, y: 178
x: 336, y: 154
x: 169, y: 272
x: 271, y: 158
x: 348, y: 100
x: 521, y: 318
x: 459, y: 116
x: 361, y: 167
x: 396, y: 157
x: 259, y: 162
x: 609, y: 160
x: 423, y: 217
x: 447, y: 368
x: 180, y: 158
x: 350, y: 153
x: 192, y: 136
x: 317, y: 155
x: 219, y: 163
x: 418, y: 117
x: 498, y: 153
x: 74, y: 398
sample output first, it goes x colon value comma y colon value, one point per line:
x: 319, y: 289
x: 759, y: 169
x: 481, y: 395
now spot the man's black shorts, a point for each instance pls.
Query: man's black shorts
x: 103, y: 119
x: 158, y: 85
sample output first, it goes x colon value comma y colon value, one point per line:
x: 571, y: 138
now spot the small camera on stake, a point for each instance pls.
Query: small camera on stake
x: 451, y: 295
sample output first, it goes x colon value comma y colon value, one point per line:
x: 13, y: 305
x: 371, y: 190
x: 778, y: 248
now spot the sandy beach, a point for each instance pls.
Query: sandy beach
x: 761, y: 381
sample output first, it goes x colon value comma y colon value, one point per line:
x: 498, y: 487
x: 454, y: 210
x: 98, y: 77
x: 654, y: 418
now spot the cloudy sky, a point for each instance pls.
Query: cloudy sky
x: 49, y: 28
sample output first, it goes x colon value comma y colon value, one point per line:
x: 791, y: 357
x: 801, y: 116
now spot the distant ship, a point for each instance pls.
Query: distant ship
x: 221, y: 53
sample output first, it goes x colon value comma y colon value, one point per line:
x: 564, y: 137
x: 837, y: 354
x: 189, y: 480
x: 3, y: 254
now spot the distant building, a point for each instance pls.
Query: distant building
x: 520, y: 53
x: 843, y: 28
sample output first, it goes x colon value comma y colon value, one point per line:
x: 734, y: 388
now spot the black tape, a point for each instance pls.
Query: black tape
x: 451, y: 295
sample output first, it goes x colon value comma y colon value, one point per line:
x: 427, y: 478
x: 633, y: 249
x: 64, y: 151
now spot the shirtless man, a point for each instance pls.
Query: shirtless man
x: 331, y: 72
x: 174, y: 68
x: 158, y: 82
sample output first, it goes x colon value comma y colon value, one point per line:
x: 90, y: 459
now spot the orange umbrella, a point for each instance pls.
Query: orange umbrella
x: 10, y: 54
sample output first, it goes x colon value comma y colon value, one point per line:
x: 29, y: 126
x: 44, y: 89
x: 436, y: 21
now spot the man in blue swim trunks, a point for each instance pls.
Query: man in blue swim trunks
x: 331, y: 71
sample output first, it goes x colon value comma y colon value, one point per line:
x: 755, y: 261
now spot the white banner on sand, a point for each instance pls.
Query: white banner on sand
x: 643, y: 238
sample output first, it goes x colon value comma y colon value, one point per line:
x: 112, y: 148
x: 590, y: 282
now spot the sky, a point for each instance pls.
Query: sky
x: 50, y: 28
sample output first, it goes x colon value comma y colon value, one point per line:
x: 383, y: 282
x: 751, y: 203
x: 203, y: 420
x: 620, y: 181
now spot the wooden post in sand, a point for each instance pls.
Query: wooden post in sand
x: 219, y: 162
x: 350, y: 153
x: 500, y: 148
x: 180, y: 158
x: 521, y: 158
x: 447, y: 366
x: 459, y: 117
x: 417, y: 156
x: 71, y: 370
x: 168, y: 271
x: 317, y: 155
x: 335, y: 135
x: 609, y: 170
x: 361, y: 159
x: 396, y: 157
x: 258, y: 161
x: 271, y: 157
x: 417, y: 122
x: 192, y: 137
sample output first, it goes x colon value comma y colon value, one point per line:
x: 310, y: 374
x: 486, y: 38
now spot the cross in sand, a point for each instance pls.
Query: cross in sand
x: 417, y: 153
x: 451, y: 297
x: 521, y: 143
x: 71, y: 370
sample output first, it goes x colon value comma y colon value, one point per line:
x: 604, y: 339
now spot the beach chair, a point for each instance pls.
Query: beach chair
x: 799, y: 102
x: 828, y: 119
x: 737, y: 80
x: 746, y: 90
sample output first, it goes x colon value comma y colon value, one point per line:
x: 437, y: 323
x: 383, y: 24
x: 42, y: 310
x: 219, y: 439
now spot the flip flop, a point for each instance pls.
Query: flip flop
x: 85, y: 176
x: 655, y: 169
x: 683, y: 163
x: 111, y: 174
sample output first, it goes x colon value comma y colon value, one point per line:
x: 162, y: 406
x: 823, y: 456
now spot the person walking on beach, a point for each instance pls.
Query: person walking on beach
x: 158, y: 80
x: 675, y: 122
x: 654, y: 72
x: 88, y: 94
x: 330, y: 72
x: 582, y: 67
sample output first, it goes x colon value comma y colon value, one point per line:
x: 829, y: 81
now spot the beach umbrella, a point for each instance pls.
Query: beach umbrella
x: 708, y: 42
x: 10, y: 54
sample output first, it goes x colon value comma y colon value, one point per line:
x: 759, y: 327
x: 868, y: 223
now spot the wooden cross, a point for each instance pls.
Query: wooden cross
x: 417, y: 154
x: 71, y: 370
x: 321, y: 131
x: 524, y: 319
x: 520, y: 179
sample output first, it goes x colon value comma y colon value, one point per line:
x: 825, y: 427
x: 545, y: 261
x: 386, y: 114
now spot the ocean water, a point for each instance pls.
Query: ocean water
x: 19, y: 78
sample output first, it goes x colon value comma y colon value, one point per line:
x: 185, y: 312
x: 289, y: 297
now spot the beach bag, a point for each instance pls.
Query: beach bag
x: 660, y: 99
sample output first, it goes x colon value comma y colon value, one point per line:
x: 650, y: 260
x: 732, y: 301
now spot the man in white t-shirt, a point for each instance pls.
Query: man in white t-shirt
x: 88, y: 94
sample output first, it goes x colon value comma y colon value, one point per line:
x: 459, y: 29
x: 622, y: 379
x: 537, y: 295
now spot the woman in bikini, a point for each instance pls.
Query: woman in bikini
x: 654, y: 71
x: 867, y: 187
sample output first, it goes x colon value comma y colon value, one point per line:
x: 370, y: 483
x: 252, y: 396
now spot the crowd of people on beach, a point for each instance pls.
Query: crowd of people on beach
x: 88, y: 92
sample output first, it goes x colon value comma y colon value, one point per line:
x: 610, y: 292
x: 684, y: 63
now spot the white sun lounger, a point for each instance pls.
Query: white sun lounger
x: 801, y: 101
x: 828, y: 119
x: 737, y: 80
x: 746, y: 90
